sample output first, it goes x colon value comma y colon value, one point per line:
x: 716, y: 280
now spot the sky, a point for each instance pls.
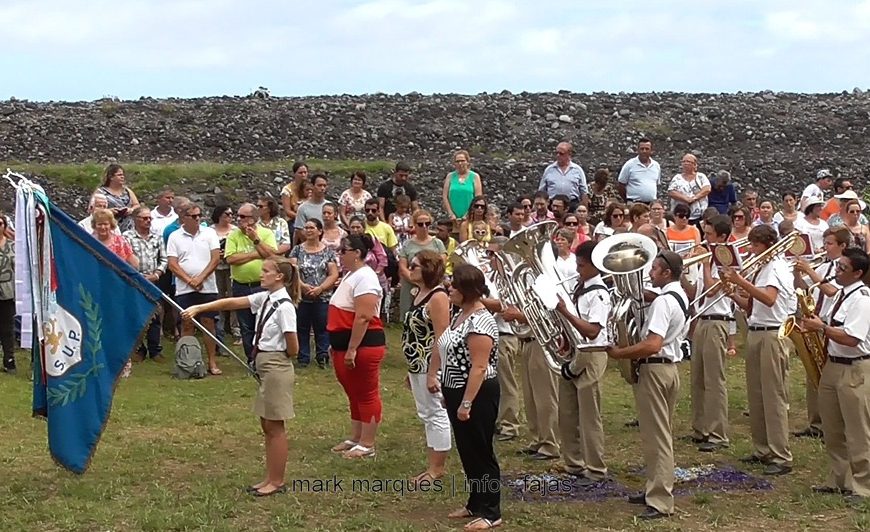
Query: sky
x: 84, y: 50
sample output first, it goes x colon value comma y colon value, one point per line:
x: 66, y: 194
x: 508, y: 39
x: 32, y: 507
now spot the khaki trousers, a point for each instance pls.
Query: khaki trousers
x: 580, y: 427
x: 709, y: 392
x: 508, y: 422
x: 657, y: 389
x: 844, y: 403
x: 766, y: 387
x: 813, y: 415
x: 540, y: 398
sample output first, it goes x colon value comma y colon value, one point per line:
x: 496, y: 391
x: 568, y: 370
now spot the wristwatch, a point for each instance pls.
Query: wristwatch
x: 257, y: 242
x: 466, y: 405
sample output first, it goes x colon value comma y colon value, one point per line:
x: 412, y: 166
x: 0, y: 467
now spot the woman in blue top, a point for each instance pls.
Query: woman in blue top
x: 460, y: 187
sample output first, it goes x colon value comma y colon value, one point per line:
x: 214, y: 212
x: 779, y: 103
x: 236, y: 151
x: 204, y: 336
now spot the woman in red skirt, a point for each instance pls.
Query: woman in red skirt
x: 358, y: 344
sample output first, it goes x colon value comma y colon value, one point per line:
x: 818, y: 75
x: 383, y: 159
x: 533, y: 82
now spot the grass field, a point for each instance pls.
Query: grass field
x: 176, y: 455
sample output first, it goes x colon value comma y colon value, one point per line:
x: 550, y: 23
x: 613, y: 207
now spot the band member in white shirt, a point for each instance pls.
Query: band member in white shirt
x: 658, y: 382
x: 768, y: 298
x: 580, y: 424
x: 709, y: 346
x: 834, y: 242
x: 844, y: 390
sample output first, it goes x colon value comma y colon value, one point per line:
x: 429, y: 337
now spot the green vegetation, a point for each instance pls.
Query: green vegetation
x: 147, y: 178
x: 176, y: 455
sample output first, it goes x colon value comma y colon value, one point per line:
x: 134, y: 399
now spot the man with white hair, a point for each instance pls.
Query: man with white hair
x: 98, y: 201
x: 564, y: 176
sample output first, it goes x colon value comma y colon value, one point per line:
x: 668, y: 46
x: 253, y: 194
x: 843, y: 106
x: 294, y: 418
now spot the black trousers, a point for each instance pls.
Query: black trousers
x: 474, y: 443
x: 7, y: 332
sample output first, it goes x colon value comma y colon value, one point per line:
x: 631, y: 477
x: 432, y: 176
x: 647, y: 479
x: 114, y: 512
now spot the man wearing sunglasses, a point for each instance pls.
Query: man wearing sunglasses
x: 658, y: 382
x: 843, y: 392
x: 564, y: 176
x: 832, y: 206
x: 194, y: 253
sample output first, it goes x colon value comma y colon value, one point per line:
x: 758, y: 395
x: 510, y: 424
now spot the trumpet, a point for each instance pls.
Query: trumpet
x: 750, y: 266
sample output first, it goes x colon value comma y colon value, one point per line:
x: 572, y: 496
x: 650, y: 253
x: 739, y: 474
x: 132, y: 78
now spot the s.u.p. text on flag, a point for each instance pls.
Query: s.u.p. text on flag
x: 90, y: 310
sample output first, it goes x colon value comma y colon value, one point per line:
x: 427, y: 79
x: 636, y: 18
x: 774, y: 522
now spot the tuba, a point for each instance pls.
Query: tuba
x: 497, y: 268
x: 536, y: 288
x: 627, y: 258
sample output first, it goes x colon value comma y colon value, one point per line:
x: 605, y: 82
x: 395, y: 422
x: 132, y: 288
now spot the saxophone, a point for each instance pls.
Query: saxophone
x: 810, y: 346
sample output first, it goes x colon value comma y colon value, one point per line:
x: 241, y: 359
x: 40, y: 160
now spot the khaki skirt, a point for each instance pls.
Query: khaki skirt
x: 274, y: 399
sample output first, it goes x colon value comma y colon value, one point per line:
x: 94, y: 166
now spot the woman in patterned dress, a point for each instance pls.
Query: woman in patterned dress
x: 469, y: 351
x: 120, y: 198
x: 426, y: 319
x: 353, y: 200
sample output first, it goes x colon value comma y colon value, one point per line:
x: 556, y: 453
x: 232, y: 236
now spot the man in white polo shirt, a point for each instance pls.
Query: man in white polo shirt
x: 194, y: 253
x: 640, y: 176
x: 815, y: 191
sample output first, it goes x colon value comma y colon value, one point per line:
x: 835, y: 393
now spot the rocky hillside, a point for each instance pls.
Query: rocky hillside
x: 771, y: 141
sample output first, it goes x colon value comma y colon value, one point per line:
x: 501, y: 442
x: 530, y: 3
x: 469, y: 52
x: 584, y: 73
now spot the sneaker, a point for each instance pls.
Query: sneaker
x: 10, y: 370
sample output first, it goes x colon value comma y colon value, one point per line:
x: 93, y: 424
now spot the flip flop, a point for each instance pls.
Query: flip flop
x: 280, y: 489
x: 215, y: 371
x: 358, y: 451
x: 346, y: 445
x: 481, y: 523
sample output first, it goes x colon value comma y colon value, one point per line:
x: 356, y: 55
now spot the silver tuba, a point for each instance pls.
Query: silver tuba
x: 498, y: 268
x: 537, y: 287
x: 627, y: 258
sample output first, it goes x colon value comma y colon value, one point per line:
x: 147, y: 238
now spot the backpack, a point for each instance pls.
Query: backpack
x: 188, y: 359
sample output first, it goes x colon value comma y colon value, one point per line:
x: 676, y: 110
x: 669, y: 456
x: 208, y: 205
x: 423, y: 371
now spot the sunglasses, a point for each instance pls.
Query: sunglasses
x: 424, y: 224
x: 229, y: 213
x: 479, y: 206
x: 527, y: 205
x: 738, y: 216
x: 371, y: 210
x: 561, y: 153
x: 847, y: 187
x: 480, y: 233
x: 195, y: 216
x: 681, y: 216
x: 572, y: 224
x: 243, y: 216
x: 615, y: 215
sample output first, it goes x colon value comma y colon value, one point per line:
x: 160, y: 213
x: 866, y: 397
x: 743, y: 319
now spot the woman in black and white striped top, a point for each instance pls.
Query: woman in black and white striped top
x: 469, y: 350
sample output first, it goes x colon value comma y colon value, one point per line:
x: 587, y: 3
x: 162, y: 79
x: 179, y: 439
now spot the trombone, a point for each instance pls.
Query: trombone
x: 750, y: 266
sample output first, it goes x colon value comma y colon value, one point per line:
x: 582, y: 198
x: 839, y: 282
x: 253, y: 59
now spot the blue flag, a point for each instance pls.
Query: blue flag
x: 90, y: 311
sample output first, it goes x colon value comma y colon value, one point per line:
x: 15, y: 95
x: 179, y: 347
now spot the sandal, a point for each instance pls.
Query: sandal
x: 731, y: 352
x: 424, y: 476
x: 461, y: 513
x: 346, y: 445
x: 481, y: 523
x: 279, y: 489
x: 215, y: 371
x: 358, y: 451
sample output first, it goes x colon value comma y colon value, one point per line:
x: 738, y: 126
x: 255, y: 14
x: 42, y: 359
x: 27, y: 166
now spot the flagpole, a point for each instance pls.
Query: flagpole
x: 213, y: 337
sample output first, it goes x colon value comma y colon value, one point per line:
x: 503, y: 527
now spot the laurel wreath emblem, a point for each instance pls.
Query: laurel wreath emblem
x: 75, y: 387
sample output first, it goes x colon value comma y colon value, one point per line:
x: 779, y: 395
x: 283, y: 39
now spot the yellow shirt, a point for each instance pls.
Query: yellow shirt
x: 383, y: 232
x: 238, y: 242
x: 451, y: 247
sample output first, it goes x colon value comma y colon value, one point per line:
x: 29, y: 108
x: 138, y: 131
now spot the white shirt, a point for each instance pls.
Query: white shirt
x: 603, y: 230
x: 778, y: 274
x: 358, y: 283
x: 811, y: 192
x: 160, y: 222
x: 815, y: 232
x: 640, y: 180
x: 571, y: 182
x: 690, y: 188
x: 594, y: 307
x: 666, y: 319
x: 503, y: 326
x: 852, y: 314
x: 825, y: 270
x: 567, y: 268
x: 283, y: 320
x: 723, y: 307
x: 193, y: 253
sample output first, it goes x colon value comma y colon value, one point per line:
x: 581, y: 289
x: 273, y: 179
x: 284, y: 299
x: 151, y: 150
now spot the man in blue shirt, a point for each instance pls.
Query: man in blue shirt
x: 722, y: 193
